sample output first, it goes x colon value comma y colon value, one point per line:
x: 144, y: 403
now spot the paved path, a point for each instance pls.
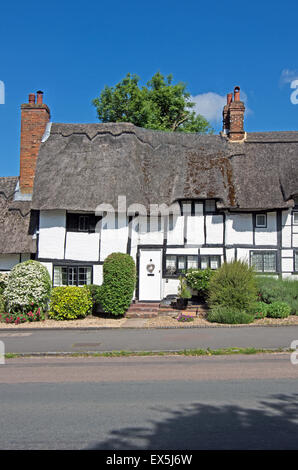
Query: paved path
x: 42, y: 341
x: 226, y: 402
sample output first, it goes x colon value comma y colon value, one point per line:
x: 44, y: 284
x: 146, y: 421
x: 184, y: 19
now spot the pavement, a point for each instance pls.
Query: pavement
x: 142, y: 339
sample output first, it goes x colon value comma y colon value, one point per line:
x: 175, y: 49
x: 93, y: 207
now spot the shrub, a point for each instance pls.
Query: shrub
x: 279, y: 290
x: 183, y: 290
x: 70, y: 303
x: 96, y: 292
x: 233, y: 285
x: 2, y: 304
x: 119, y: 281
x: 198, y: 279
x: 229, y: 315
x: 259, y: 310
x: 29, y: 286
x: 278, y: 310
x: 3, y: 282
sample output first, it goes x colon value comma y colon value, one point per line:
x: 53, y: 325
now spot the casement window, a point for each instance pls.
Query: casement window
x: 72, y: 275
x: 261, y: 220
x: 81, y: 222
x: 295, y: 218
x: 210, y: 206
x: 263, y: 261
x: 296, y: 261
x: 179, y: 264
x: 209, y: 261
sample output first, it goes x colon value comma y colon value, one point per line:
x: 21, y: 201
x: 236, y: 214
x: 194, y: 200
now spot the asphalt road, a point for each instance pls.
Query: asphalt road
x: 218, y: 402
x: 24, y: 341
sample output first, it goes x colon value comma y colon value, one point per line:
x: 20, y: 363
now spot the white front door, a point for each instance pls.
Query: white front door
x: 150, y: 264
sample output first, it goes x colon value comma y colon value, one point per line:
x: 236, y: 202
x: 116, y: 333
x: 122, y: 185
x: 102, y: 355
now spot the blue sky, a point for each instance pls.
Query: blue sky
x: 70, y: 50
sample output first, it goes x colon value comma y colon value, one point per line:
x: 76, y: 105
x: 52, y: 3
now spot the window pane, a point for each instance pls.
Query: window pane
x: 210, y: 205
x: 84, y: 276
x: 171, y: 265
x: 295, y: 215
x: 214, y: 262
x: 181, y: 263
x: 261, y: 220
x: 83, y: 223
x: 269, y: 262
x: 192, y: 262
x: 296, y: 261
x: 72, y: 276
x: 257, y: 261
x: 204, y: 262
x: 64, y: 277
x: 57, y: 276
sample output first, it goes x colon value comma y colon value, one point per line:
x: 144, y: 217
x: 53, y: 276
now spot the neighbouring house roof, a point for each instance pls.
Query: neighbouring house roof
x: 14, y: 220
x: 82, y: 165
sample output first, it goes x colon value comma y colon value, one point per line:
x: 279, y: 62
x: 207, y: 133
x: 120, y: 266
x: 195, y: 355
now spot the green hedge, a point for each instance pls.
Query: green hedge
x: 233, y: 285
x: 70, y: 303
x: 119, y: 281
x: 96, y: 294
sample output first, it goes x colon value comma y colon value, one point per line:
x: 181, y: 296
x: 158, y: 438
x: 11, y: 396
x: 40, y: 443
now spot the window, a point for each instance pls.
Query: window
x: 263, y: 261
x: 210, y: 261
x: 178, y: 264
x: 81, y: 222
x: 72, y: 275
x: 261, y: 220
x: 210, y: 205
x: 295, y: 218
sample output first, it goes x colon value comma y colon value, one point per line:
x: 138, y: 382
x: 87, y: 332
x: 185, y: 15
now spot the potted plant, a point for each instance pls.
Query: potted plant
x: 184, y: 294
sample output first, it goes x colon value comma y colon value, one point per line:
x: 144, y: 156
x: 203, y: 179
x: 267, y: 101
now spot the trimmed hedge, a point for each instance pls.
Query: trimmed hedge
x: 233, y: 285
x: 119, y: 281
x: 96, y: 293
x: 70, y: 303
x: 29, y: 285
x: 229, y: 315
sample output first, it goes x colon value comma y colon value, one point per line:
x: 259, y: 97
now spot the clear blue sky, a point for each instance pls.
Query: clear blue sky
x: 70, y: 50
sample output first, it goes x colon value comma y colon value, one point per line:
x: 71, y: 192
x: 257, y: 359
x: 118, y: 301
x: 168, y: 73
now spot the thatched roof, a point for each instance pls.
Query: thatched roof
x: 83, y: 165
x: 14, y: 220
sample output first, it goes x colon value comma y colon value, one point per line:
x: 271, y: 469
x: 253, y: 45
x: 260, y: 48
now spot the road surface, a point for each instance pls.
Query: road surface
x: 216, y: 402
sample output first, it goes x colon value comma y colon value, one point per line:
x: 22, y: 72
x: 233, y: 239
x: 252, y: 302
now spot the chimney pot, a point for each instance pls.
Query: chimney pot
x: 229, y: 98
x: 237, y: 93
x: 39, y: 96
x: 32, y: 98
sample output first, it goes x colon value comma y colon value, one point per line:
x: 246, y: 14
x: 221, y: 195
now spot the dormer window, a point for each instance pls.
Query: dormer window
x: 261, y: 220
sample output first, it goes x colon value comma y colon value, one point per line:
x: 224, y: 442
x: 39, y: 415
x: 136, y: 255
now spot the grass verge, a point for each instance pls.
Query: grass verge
x: 185, y: 352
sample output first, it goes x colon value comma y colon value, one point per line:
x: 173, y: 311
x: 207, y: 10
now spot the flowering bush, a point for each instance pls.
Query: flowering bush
x: 29, y: 284
x: 3, y: 281
x: 185, y: 318
x: 198, y: 279
x: 36, y: 314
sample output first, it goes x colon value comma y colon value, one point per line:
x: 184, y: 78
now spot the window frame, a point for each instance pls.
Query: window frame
x: 256, y: 220
x: 294, y: 213
x: 73, y: 222
x: 178, y: 273
x: 295, y: 253
x: 72, y: 266
x: 263, y: 252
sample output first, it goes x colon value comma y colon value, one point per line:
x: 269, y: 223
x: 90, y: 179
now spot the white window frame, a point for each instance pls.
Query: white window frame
x: 264, y: 225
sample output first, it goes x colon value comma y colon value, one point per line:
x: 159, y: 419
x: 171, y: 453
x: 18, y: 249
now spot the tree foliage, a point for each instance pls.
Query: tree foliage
x: 161, y: 105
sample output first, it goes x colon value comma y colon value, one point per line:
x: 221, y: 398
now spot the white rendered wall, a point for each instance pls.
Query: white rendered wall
x: 49, y: 267
x: 239, y: 229
x: 169, y: 286
x: 97, y: 274
x: 82, y: 246
x: 195, y: 227
x: 113, y: 239
x: 214, y: 229
x: 286, y: 229
x: 154, y: 236
x: 267, y: 235
x: 176, y: 235
x: 52, y: 234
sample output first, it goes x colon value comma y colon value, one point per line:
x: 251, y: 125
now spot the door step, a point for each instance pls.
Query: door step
x: 143, y: 310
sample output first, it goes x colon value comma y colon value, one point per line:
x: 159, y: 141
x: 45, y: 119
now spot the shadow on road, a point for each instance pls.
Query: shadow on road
x: 272, y: 425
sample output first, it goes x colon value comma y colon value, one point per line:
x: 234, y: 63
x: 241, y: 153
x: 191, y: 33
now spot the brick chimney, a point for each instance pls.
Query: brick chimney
x: 34, y: 118
x: 233, y: 117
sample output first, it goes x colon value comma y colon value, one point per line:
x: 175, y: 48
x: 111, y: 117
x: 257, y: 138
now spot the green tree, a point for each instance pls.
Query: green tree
x: 160, y: 105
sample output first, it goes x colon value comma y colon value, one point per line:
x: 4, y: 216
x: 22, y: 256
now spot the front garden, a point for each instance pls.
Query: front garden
x: 234, y: 294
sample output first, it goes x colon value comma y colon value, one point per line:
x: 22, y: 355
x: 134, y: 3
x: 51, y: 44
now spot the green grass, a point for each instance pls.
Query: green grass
x: 185, y: 352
